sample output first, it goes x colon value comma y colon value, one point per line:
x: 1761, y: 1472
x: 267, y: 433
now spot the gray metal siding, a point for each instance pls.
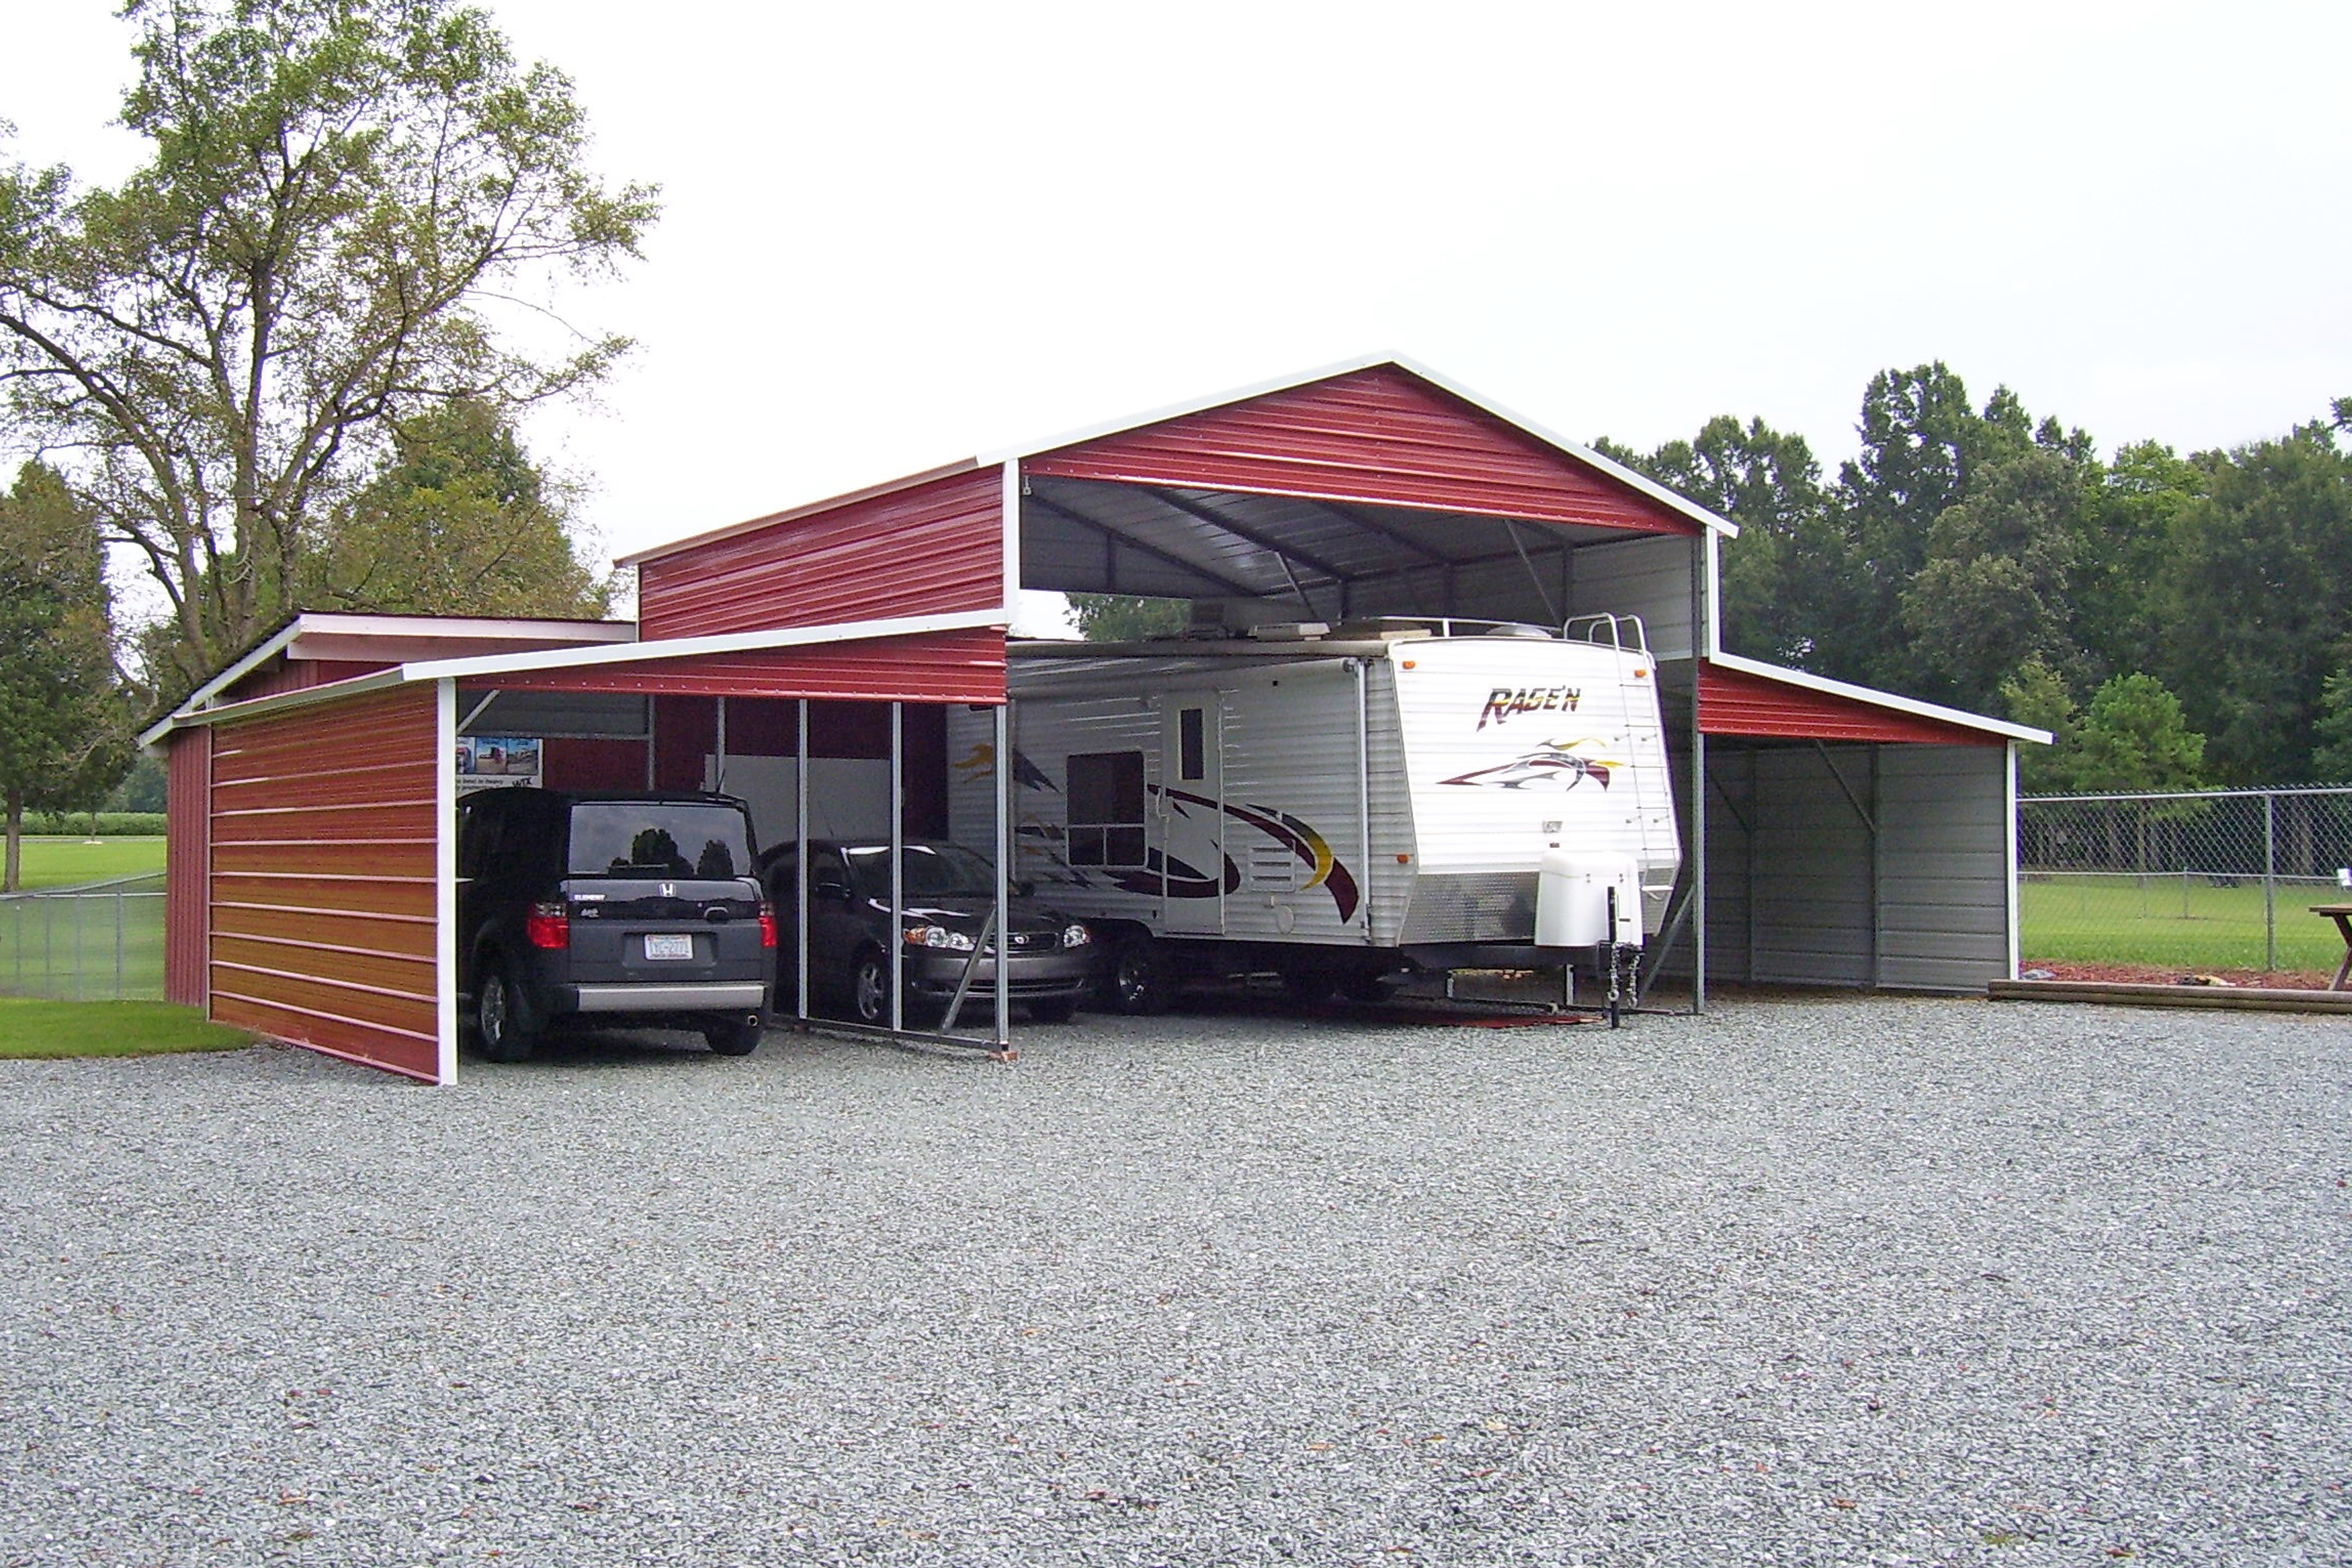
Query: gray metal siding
x: 1646, y: 577
x: 1944, y: 869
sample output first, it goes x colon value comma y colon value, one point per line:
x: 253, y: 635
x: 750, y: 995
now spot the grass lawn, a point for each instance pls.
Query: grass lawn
x: 67, y: 862
x: 30, y: 1028
x: 2177, y: 922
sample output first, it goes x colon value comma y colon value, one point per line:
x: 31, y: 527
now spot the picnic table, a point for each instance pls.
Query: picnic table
x: 2342, y: 915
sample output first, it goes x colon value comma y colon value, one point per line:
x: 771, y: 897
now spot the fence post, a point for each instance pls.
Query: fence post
x: 117, y: 944
x: 2270, y: 881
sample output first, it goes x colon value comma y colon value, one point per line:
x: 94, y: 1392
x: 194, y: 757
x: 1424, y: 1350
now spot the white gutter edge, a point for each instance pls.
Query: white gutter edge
x: 574, y: 659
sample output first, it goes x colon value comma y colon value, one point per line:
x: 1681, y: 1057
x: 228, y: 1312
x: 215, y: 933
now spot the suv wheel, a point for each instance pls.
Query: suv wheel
x: 507, y: 1033
x: 734, y: 1036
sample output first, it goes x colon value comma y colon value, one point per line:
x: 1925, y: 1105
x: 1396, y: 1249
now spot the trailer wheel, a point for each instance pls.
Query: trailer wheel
x: 1142, y: 977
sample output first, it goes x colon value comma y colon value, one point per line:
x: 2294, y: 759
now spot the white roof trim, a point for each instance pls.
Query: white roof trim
x: 495, y: 664
x: 276, y: 644
x: 1876, y: 699
x: 329, y: 623
x: 691, y: 648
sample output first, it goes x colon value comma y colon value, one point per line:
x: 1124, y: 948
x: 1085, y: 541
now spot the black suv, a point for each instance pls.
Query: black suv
x: 627, y: 908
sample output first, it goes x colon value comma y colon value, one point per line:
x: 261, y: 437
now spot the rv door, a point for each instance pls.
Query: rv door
x: 1191, y: 814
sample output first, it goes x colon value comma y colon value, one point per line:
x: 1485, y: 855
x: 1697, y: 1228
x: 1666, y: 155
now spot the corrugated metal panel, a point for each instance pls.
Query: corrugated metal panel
x: 1650, y: 578
x: 1811, y: 912
x: 323, y: 882
x: 186, y: 852
x: 931, y: 549
x: 298, y: 675
x: 1383, y: 437
x: 940, y: 666
x: 1944, y: 867
x: 1733, y: 702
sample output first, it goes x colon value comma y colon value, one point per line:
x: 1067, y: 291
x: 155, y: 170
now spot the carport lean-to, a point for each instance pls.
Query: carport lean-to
x: 1841, y: 835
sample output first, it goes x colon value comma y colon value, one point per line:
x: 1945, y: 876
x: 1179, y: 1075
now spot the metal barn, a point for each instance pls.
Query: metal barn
x: 1841, y: 836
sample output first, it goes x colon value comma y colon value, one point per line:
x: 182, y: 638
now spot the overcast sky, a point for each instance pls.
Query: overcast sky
x: 896, y: 235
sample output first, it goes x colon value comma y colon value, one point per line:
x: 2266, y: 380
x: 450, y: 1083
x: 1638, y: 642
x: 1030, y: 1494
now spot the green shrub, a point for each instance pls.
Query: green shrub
x: 95, y: 823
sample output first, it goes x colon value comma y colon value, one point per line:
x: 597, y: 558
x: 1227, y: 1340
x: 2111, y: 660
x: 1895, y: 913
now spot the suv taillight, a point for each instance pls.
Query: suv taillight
x: 767, y: 924
x: 548, y: 926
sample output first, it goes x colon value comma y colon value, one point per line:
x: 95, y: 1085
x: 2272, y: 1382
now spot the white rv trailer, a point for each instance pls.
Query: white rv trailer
x: 1333, y: 806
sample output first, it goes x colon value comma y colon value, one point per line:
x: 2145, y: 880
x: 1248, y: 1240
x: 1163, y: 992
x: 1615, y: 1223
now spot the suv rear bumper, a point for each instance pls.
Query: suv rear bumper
x: 713, y: 996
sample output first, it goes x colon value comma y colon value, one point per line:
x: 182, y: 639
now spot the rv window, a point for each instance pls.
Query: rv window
x: 1190, y: 762
x: 1106, y: 795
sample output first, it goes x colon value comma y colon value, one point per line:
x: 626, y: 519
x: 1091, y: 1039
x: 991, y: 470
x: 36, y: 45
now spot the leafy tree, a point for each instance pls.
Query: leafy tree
x: 460, y: 520
x: 338, y: 195
x: 2331, y: 760
x: 65, y: 733
x: 2037, y: 695
x: 1770, y: 485
x: 1924, y: 450
x: 2125, y: 617
x: 2256, y: 591
x: 2134, y: 737
x: 1996, y: 590
x: 1123, y: 617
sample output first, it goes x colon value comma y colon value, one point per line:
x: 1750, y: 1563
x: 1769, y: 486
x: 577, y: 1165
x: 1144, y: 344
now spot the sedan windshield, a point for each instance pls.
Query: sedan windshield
x: 932, y: 872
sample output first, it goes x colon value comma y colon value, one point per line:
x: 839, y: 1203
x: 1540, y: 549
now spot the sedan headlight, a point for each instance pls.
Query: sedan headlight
x: 1076, y: 935
x: 939, y: 936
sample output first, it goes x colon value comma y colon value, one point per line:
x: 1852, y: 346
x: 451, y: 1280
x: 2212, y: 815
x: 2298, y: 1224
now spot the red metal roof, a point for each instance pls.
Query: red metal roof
x: 1751, y: 702
x: 930, y: 548
x: 1381, y: 436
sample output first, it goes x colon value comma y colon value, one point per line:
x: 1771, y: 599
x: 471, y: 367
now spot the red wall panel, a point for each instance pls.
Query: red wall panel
x: 1734, y: 702
x: 941, y: 666
x: 187, y: 852
x: 929, y: 549
x: 1381, y: 436
x: 575, y: 763
x: 321, y: 880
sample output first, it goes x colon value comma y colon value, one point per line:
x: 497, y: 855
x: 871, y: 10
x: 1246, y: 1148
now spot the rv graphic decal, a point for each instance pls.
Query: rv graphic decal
x: 1554, y: 765
x: 1292, y: 835
x: 980, y: 763
x: 1504, y: 702
x: 1184, y: 882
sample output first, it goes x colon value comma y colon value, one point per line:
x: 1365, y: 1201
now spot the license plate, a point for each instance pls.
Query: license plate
x: 669, y: 947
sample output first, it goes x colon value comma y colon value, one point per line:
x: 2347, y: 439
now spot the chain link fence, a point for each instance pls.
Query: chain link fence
x: 2220, y: 880
x: 100, y: 942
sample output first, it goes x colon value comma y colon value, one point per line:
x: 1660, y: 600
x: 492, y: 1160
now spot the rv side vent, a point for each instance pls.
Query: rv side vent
x: 1273, y: 869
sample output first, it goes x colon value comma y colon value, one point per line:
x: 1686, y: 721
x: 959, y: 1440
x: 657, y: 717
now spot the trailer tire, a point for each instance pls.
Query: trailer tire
x: 1142, y: 978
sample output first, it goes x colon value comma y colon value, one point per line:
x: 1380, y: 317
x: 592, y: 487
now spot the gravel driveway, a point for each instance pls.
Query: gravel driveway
x: 1803, y: 1281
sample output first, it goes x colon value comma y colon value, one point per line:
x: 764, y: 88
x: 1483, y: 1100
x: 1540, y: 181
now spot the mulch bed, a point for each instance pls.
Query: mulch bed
x: 2148, y: 974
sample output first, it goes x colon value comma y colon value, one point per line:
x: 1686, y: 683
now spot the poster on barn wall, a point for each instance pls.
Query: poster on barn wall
x: 496, y: 762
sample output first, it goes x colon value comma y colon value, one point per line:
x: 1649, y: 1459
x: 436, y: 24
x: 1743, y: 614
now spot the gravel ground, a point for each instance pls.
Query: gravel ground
x: 1804, y: 1281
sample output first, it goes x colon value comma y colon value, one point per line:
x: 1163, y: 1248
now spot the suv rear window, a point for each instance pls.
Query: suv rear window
x: 658, y: 839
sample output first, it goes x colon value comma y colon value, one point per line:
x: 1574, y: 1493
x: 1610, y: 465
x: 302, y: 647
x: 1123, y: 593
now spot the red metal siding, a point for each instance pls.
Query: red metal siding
x: 323, y: 890
x: 931, y: 549
x: 1382, y: 435
x: 187, y: 851
x: 297, y: 675
x: 941, y: 666
x: 1733, y: 702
